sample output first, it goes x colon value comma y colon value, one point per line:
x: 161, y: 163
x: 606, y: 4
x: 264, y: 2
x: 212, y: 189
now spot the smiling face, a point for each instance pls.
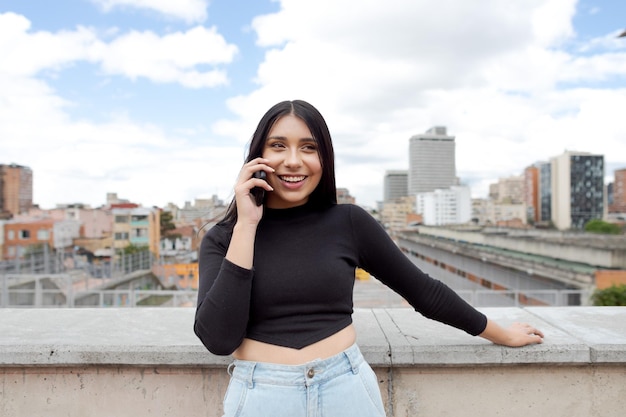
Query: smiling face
x: 293, y: 153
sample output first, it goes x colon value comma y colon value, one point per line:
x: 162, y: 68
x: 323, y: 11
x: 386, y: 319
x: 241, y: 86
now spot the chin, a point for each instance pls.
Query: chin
x: 292, y: 201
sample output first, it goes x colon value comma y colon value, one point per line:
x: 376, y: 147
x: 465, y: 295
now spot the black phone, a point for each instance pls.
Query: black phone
x: 257, y: 192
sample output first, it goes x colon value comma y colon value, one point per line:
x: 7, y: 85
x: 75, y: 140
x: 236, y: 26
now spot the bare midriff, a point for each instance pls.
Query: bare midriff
x: 255, y: 351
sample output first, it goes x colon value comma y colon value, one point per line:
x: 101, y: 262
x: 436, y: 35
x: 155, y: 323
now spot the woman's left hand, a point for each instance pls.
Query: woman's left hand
x: 516, y: 335
x: 521, y: 334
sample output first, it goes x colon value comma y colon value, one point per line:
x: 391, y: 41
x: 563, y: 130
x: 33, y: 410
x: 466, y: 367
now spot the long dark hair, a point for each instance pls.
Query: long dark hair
x: 325, y: 194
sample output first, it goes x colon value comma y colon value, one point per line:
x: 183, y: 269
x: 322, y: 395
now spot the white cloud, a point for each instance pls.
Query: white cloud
x: 511, y: 80
x: 80, y: 160
x: 497, y: 74
x: 190, y: 11
x: 170, y: 58
x: 178, y: 57
x: 25, y: 53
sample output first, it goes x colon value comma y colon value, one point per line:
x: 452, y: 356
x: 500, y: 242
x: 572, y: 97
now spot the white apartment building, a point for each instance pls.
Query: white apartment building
x: 432, y: 163
x: 445, y: 206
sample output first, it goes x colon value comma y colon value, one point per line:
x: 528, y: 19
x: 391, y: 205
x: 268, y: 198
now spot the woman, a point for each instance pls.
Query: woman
x: 276, y: 281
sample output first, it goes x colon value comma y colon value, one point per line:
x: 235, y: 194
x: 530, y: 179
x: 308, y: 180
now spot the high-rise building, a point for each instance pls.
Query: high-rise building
x: 432, y: 163
x: 618, y: 205
x: 577, y: 189
x: 16, y: 189
x: 396, y: 184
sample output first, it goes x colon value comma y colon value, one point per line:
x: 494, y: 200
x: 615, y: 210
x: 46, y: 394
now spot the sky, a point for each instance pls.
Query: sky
x: 156, y: 100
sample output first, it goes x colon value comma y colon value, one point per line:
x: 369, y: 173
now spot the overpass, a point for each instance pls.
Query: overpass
x: 470, y: 258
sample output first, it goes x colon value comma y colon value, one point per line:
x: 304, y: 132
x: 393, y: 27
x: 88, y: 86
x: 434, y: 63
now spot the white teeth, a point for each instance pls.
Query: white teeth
x: 292, y: 179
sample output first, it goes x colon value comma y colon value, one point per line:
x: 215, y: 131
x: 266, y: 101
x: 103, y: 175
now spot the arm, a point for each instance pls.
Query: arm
x: 223, y: 296
x: 383, y: 259
x: 226, y: 272
x: 380, y: 256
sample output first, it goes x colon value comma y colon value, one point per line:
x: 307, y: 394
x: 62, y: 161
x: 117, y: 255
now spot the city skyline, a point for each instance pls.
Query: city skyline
x: 156, y: 101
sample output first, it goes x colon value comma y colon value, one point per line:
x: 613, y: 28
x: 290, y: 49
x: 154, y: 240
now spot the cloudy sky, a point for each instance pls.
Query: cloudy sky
x: 156, y: 100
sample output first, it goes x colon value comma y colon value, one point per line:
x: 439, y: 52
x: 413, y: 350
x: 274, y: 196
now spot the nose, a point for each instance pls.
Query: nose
x: 292, y: 159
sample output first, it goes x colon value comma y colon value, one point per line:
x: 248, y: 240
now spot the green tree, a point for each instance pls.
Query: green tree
x: 167, y: 223
x: 131, y: 249
x: 614, y: 295
x: 600, y: 226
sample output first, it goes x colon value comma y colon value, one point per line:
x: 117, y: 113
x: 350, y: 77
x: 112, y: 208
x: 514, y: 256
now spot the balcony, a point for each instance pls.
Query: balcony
x: 102, y: 362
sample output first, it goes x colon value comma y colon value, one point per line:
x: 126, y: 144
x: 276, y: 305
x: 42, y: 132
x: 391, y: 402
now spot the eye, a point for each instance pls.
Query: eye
x: 276, y: 145
x: 310, y: 148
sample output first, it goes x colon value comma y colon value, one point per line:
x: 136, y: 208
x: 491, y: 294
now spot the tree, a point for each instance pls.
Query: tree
x: 614, y: 295
x: 132, y: 248
x: 167, y: 223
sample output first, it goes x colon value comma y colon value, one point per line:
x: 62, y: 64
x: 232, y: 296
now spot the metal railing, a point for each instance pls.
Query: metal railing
x: 47, y: 279
x: 41, y: 297
x: 49, y: 297
x: 47, y: 261
x: 526, y: 298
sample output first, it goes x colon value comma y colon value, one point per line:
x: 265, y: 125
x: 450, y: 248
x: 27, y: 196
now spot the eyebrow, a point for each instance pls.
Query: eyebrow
x: 284, y: 138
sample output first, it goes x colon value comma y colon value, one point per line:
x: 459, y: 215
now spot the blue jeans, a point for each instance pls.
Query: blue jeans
x: 343, y: 385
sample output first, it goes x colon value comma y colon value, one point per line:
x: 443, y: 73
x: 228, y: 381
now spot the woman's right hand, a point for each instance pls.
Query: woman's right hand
x: 247, y: 210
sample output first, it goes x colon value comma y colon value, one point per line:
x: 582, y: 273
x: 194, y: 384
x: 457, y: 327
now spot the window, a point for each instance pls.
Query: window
x: 24, y: 234
x: 11, y: 235
x: 140, y: 232
x: 121, y: 236
x: 121, y: 219
x: 43, y: 234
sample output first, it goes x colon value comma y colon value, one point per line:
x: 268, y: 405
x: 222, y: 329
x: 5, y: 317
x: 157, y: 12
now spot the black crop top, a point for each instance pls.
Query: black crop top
x: 299, y: 290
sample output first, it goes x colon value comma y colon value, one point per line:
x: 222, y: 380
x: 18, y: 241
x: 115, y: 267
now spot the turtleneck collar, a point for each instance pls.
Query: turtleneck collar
x: 291, y: 212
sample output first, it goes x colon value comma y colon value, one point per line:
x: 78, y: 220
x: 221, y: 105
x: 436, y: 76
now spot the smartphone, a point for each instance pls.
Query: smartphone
x: 257, y: 192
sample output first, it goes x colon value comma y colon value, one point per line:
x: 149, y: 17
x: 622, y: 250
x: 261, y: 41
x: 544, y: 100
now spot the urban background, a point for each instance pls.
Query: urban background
x: 550, y: 235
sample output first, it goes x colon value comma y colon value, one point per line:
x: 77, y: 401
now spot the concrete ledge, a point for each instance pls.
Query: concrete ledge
x: 147, y: 362
x: 387, y: 337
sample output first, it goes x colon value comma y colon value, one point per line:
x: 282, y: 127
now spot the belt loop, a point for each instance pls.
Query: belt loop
x: 229, y: 370
x: 352, y: 353
x: 250, y: 378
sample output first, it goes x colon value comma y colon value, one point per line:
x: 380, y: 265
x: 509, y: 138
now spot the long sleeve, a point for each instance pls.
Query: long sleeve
x: 223, y: 296
x: 380, y: 256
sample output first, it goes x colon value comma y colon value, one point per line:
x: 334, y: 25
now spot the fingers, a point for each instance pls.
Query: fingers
x: 247, y: 181
x: 257, y: 164
x: 529, y: 329
x: 530, y: 333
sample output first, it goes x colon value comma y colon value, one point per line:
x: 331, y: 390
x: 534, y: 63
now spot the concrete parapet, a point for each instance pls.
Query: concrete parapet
x: 147, y: 362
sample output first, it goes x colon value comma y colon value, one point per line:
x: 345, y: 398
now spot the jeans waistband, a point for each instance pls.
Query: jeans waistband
x: 307, y: 374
